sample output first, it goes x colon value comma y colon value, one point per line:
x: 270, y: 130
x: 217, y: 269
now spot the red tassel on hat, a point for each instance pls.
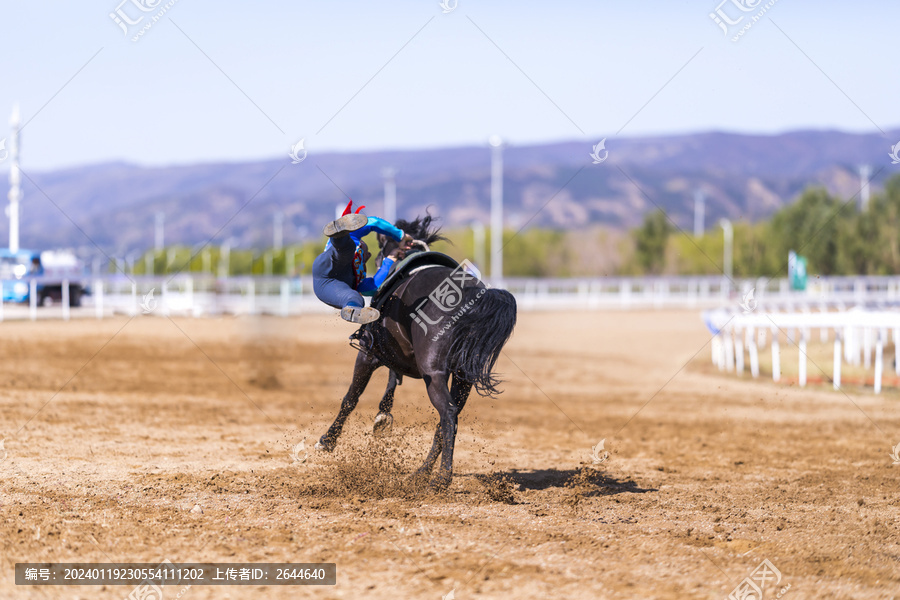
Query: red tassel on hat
x: 359, y: 209
x: 348, y: 209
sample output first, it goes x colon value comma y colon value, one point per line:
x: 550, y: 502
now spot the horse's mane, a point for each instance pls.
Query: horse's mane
x: 422, y: 228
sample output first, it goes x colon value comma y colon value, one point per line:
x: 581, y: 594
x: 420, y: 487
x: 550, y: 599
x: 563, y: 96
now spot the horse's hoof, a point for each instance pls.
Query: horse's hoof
x: 420, y: 477
x: 440, y: 482
x: 324, y: 445
x: 384, y: 423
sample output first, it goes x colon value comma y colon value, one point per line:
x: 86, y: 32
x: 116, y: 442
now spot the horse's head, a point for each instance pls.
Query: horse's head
x: 385, y: 246
x: 421, y: 229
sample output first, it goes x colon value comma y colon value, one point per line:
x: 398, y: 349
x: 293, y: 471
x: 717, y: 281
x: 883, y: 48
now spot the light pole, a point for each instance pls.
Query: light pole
x: 196, y: 250
x: 159, y: 237
x: 206, y: 260
x: 699, y: 213
x: 390, y: 194
x: 171, y: 255
x: 496, y: 208
x: 727, y: 258
x: 129, y: 262
x: 864, y: 172
x: 289, y: 261
x: 277, y: 230
x: 225, y: 258
x: 15, y: 188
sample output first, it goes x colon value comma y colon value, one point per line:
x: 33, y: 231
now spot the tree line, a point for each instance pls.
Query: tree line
x: 835, y: 236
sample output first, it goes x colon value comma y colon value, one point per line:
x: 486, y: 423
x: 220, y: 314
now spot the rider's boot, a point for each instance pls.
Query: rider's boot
x: 359, y: 314
x: 344, y: 225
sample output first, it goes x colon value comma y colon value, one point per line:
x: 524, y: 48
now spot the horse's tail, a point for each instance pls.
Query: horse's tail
x: 479, y: 336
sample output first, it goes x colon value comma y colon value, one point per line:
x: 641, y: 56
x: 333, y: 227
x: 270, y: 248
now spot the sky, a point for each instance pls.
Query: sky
x: 235, y: 81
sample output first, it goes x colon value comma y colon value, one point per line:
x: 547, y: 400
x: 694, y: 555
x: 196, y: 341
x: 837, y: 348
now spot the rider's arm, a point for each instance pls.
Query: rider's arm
x: 383, y: 271
x: 369, y: 285
x: 383, y: 227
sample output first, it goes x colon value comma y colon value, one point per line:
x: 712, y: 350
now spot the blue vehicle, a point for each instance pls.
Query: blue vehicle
x: 48, y: 268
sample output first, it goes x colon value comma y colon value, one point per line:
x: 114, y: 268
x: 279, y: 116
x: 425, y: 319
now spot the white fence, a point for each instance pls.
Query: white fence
x: 201, y: 294
x: 704, y: 292
x: 179, y: 295
x: 857, y: 333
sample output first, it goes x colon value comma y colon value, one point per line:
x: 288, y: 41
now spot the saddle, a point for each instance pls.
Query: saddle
x: 401, y: 271
x: 372, y: 337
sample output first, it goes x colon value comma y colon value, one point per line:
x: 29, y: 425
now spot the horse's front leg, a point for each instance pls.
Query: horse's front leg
x: 384, y: 421
x: 362, y: 372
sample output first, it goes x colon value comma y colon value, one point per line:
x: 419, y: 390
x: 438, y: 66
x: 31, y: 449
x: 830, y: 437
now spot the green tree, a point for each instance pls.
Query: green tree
x: 651, y: 239
x: 811, y: 227
x: 878, y: 240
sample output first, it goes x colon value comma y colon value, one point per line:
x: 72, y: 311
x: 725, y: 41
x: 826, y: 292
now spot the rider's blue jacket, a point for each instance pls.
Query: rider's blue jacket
x: 368, y: 285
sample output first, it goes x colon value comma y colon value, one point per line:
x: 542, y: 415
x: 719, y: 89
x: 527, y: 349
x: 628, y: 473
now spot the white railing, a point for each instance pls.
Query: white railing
x: 203, y: 294
x: 190, y: 295
x: 705, y: 292
x: 857, y: 333
x: 185, y: 295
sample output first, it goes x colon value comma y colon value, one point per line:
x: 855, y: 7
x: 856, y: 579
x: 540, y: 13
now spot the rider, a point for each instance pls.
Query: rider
x: 339, y: 273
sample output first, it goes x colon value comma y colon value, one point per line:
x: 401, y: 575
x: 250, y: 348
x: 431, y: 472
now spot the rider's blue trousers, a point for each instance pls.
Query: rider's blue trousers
x: 333, y: 275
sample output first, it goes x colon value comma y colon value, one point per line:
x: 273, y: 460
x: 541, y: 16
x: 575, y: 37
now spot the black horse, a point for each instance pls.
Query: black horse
x: 441, y: 325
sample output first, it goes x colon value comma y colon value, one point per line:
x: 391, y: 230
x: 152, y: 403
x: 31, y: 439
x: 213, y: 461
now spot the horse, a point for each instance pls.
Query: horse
x: 384, y: 420
x: 441, y: 325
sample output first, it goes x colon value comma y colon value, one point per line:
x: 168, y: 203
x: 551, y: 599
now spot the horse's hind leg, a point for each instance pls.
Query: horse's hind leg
x: 448, y: 404
x: 384, y: 422
x: 459, y: 393
x: 436, y: 446
x: 362, y: 372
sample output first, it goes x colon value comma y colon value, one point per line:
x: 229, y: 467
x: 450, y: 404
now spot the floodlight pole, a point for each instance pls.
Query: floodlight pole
x: 225, y: 259
x: 277, y: 230
x: 699, y: 213
x: 390, y: 194
x: 160, y: 237
x: 15, y: 181
x: 496, y: 209
x: 864, y: 172
x: 727, y: 258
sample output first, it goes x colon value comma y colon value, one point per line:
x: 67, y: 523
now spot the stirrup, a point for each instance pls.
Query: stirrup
x: 362, y: 340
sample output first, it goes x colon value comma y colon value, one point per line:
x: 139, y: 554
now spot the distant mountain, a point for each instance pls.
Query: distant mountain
x: 551, y: 185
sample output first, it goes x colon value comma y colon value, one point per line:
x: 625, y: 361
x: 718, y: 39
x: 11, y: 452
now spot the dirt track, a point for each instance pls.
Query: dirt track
x: 706, y: 478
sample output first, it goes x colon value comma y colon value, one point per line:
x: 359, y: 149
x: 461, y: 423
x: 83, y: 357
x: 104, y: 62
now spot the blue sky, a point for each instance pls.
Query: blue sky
x: 228, y: 81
